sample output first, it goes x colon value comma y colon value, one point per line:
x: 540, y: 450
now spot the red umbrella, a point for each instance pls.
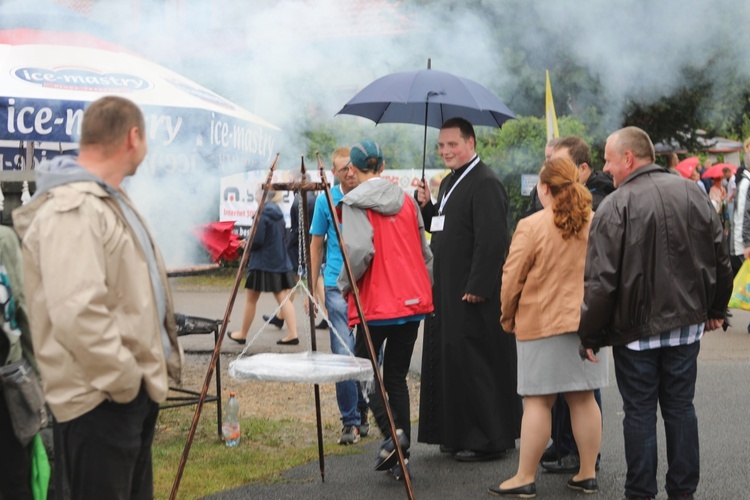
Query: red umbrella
x: 219, y: 239
x: 686, y: 166
x: 716, y: 171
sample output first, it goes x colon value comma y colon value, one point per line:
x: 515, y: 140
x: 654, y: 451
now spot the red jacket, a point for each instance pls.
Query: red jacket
x: 396, y: 284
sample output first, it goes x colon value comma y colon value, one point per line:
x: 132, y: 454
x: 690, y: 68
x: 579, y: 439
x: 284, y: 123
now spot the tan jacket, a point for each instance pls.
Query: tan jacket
x: 90, y: 300
x: 542, y: 283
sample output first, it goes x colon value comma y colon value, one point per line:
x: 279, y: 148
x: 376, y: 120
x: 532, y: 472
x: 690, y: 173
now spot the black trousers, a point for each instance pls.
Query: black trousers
x: 396, y: 359
x: 736, y: 262
x: 15, y: 460
x: 107, y: 451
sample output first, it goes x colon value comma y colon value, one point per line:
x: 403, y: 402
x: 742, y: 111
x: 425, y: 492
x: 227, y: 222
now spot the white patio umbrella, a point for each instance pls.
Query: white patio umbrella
x: 44, y: 89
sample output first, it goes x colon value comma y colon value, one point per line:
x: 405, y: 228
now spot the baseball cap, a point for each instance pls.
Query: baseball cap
x: 366, y: 155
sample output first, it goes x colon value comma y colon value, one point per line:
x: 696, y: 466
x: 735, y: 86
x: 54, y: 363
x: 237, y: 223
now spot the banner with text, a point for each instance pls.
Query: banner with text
x: 238, y: 201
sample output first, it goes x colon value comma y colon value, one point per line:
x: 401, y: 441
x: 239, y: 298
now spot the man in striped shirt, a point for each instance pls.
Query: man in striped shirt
x: 657, y: 277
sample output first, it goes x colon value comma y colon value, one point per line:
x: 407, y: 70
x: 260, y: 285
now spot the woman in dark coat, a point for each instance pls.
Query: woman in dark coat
x: 269, y: 270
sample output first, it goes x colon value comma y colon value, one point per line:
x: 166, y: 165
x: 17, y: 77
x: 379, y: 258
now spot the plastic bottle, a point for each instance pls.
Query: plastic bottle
x: 230, y: 428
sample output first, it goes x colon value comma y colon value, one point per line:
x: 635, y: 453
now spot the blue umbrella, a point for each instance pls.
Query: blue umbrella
x: 427, y: 97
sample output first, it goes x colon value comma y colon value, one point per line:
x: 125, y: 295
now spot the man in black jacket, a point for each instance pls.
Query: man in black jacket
x: 657, y: 276
x: 596, y: 181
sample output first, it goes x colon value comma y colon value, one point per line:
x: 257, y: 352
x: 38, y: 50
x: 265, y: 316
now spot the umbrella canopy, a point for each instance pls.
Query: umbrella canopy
x: 427, y: 97
x: 45, y: 87
x: 219, y: 239
x: 408, y: 96
x: 686, y: 166
x: 717, y: 171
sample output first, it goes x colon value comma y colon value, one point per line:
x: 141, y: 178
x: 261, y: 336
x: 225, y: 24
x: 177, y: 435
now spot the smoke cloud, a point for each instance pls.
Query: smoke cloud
x: 293, y: 61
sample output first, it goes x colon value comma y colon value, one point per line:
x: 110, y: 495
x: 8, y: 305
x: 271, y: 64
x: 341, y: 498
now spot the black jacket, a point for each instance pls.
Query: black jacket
x: 268, y: 252
x: 655, y: 261
x: 599, y: 185
x: 535, y: 203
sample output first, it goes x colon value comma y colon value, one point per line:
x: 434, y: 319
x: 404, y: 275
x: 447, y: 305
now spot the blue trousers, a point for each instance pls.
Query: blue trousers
x: 347, y: 392
x: 665, y: 376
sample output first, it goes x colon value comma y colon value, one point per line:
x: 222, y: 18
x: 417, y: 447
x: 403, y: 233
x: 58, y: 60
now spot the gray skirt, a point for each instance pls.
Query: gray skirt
x: 552, y: 365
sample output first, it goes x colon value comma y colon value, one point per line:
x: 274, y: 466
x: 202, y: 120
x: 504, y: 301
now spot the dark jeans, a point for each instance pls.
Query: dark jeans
x: 15, y: 460
x: 736, y: 261
x: 396, y: 360
x: 667, y: 376
x: 562, y: 431
x: 107, y: 451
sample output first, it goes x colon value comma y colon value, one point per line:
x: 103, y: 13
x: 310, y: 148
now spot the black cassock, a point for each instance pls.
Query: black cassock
x: 468, y: 397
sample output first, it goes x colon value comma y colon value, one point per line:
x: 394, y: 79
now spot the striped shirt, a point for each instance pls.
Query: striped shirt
x: 685, y: 335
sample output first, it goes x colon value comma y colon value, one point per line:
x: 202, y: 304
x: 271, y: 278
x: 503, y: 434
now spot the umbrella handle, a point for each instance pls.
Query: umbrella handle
x: 424, y: 145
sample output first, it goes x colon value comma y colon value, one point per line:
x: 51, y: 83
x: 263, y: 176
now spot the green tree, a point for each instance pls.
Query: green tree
x: 674, y: 118
x: 515, y: 149
x: 518, y: 148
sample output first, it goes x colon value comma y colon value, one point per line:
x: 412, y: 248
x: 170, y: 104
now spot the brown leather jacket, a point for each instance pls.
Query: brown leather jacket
x: 542, y: 279
x: 656, y: 261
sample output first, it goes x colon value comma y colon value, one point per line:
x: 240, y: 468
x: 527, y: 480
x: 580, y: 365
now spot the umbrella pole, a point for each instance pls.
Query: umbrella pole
x: 305, y: 227
x: 366, y: 331
x: 217, y: 347
x: 424, y: 144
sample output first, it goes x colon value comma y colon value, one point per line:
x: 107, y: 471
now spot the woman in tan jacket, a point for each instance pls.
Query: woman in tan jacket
x: 541, y: 299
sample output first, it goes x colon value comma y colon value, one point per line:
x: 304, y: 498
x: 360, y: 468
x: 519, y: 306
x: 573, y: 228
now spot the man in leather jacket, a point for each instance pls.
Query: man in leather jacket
x: 657, y: 276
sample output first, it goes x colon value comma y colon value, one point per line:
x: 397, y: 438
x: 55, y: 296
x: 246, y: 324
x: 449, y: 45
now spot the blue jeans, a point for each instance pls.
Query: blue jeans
x: 667, y: 376
x: 347, y: 392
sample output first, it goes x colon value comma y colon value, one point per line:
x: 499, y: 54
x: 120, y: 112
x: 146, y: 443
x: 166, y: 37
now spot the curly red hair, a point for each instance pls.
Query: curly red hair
x: 571, y: 200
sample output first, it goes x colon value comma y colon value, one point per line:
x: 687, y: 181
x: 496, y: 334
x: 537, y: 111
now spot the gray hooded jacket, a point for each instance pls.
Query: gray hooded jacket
x: 383, y: 197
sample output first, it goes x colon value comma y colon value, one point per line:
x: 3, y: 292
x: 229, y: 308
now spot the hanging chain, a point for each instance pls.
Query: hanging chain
x: 300, y: 285
x: 303, y: 279
x: 301, y: 262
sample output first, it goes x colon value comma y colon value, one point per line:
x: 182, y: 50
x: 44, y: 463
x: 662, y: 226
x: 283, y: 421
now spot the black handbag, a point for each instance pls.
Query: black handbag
x: 24, y: 397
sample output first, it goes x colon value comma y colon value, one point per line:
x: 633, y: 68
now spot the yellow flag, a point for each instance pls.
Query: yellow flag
x: 550, y: 112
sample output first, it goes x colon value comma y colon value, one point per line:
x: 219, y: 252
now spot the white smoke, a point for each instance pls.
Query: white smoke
x: 292, y: 60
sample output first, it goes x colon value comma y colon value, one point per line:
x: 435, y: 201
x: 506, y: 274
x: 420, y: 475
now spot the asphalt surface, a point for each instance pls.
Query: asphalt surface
x: 722, y: 402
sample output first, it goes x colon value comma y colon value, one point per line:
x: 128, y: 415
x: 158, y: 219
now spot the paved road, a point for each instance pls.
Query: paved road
x: 722, y: 398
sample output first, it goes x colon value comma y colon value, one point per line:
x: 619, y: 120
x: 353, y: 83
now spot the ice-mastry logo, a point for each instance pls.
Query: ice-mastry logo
x: 82, y: 79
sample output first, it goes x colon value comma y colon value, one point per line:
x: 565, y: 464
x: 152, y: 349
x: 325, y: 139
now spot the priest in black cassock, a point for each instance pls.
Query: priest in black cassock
x: 468, y: 400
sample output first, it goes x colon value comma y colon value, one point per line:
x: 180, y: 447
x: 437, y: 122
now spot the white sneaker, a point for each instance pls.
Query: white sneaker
x: 349, y: 435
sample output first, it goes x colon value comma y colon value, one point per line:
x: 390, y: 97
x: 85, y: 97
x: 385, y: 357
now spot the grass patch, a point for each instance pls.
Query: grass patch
x: 267, y: 448
x: 216, y: 280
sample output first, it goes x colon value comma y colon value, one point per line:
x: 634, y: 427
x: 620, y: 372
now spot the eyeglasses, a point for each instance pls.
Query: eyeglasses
x: 345, y: 168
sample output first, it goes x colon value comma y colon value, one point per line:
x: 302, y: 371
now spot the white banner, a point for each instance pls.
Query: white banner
x: 409, y: 179
x: 238, y: 192
x: 528, y: 181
